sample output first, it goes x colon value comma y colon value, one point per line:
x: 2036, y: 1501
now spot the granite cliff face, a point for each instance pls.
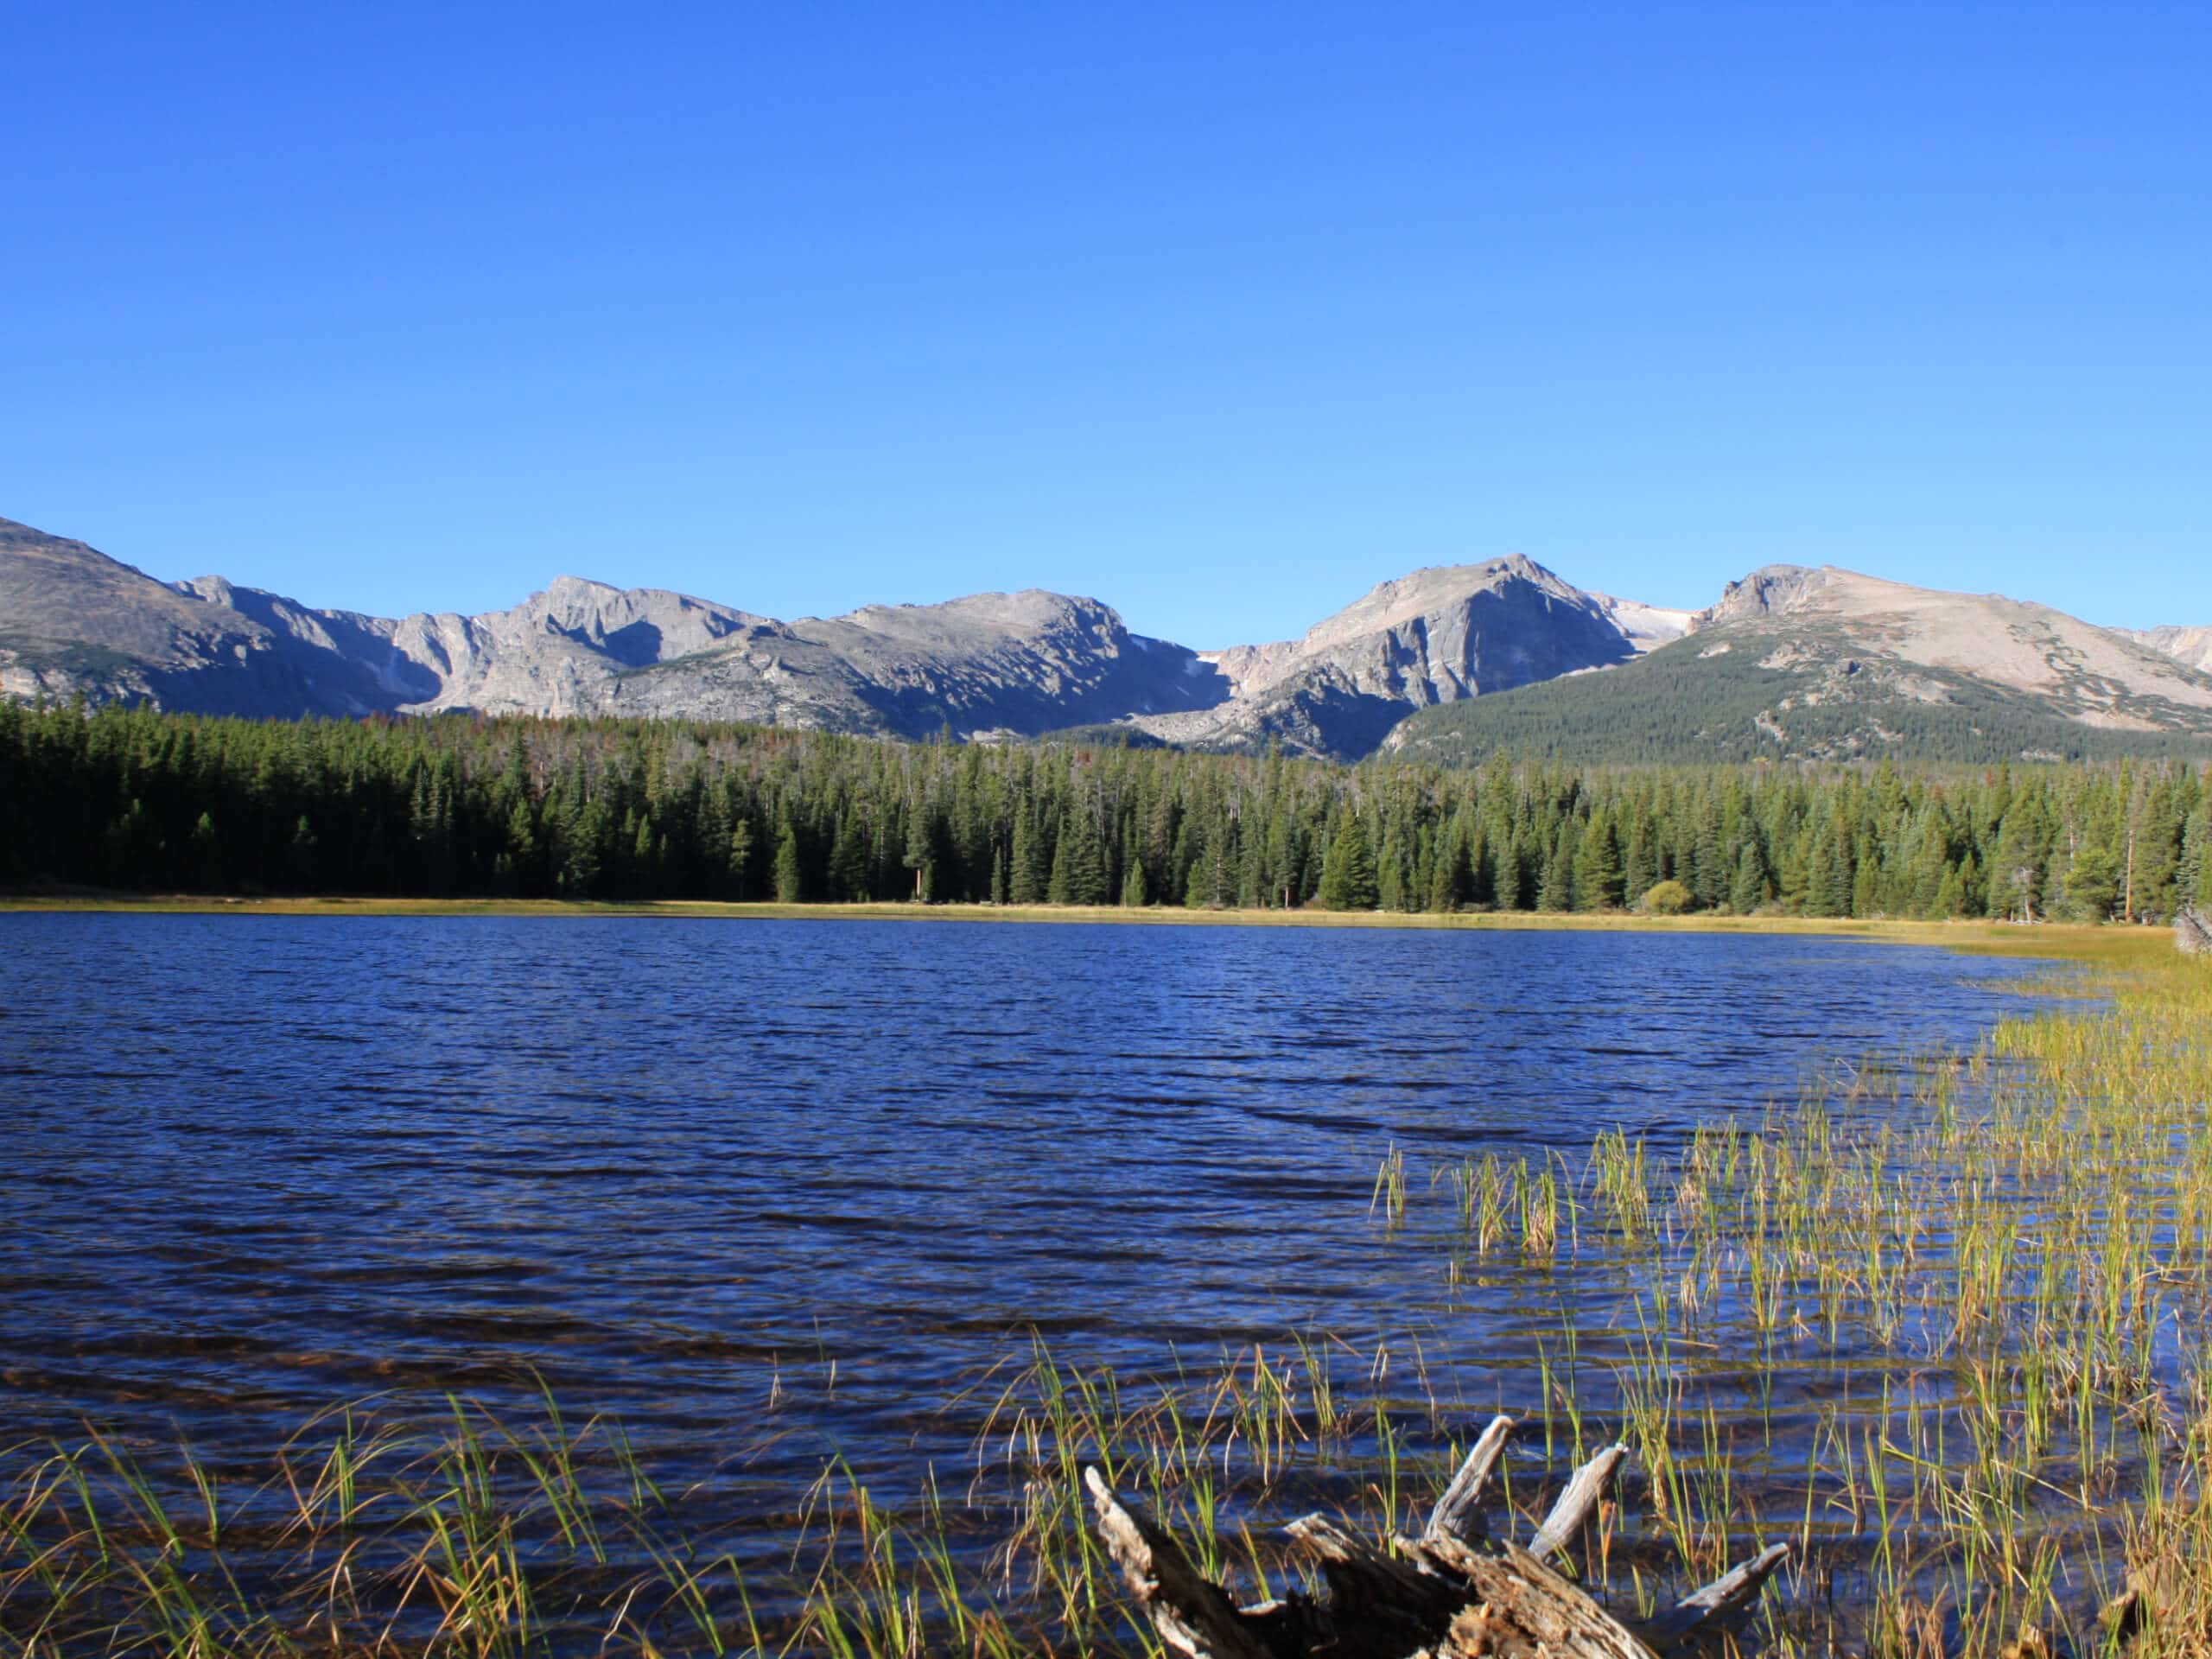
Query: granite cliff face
x: 1440, y: 635
x: 991, y: 664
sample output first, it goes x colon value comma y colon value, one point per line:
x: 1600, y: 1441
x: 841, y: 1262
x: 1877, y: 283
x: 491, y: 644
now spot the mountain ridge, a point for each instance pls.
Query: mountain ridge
x: 1797, y: 662
x: 1399, y: 667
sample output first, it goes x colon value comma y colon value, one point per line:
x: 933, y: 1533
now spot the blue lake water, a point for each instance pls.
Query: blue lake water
x: 252, y: 1165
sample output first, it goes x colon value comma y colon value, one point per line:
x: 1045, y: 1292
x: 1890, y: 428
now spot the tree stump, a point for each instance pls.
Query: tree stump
x: 1449, y: 1594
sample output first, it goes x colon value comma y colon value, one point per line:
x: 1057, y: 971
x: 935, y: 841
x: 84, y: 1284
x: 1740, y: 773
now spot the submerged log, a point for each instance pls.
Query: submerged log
x: 1449, y: 1594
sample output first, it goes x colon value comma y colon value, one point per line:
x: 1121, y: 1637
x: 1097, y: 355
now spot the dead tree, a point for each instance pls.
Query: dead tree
x: 2193, y: 931
x: 1451, y: 1594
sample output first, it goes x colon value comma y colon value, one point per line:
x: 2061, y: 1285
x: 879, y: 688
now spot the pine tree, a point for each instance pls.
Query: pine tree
x: 1556, y: 889
x: 1748, y: 890
x: 1029, y: 878
x: 1079, y: 869
x: 1599, y: 882
x: 1133, y: 895
x: 1450, y: 878
x: 1348, y: 879
x: 2196, y: 881
x: 848, y: 861
x: 2093, y: 881
x: 2017, y: 874
x: 582, y: 864
x: 1636, y: 873
x: 1055, y: 885
x: 1866, y: 891
x: 1390, y: 882
x: 920, y: 854
x: 645, y: 859
x: 520, y: 844
x: 791, y: 884
x: 1709, y: 862
x: 739, y: 855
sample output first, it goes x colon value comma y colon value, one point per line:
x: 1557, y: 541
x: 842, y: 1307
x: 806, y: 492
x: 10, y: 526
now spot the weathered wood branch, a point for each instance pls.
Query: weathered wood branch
x: 1459, y: 1514
x: 1445, y: 1595
x: 1578, y: 1505
x: 1719, y: 1607
x: 1192, y: 1615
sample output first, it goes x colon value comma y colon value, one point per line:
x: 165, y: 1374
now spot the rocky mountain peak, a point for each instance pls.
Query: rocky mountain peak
x: 1032, y: 610
x: 1431, y: 591
x: 2190, y: 647
x: 1791, y: 637
x: 1770, y: 590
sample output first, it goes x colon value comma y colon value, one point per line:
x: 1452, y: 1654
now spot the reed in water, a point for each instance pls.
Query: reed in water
x: 1936, y: 1326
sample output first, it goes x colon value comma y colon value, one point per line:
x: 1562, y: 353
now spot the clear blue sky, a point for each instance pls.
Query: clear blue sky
x: 1220, y: 314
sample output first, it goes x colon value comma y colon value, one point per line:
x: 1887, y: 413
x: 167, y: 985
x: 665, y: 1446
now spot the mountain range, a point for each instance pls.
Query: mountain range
x: 1447, y: 663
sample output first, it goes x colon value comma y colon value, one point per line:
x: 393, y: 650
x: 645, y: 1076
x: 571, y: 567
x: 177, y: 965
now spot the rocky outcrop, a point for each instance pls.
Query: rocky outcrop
x: 1773, y: 590
x: 2190, y: 647
x: 990, y: 664
x: 1438, y: 636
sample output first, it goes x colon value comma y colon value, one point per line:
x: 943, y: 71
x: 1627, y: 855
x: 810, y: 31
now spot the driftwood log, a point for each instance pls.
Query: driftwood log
x: 1451, y: 1594
x: 2193, y: 931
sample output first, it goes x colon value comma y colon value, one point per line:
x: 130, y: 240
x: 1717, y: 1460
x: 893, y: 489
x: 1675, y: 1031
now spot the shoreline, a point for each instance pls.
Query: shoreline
x: 2075, y: 940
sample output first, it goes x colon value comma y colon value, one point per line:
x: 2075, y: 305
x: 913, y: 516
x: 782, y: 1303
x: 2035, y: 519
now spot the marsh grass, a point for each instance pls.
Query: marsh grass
x: 1942, y: 1326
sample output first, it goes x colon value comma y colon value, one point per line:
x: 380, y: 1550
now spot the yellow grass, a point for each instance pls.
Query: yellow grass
x: 2079, y: 942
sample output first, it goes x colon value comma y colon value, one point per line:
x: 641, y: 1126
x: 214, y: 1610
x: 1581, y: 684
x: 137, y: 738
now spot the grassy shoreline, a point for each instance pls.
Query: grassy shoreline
x: 1931, y: 1326
x: 2074, y: 940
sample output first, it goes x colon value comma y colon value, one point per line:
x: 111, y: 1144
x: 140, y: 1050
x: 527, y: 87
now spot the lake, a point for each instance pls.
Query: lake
x: 688, y: 1169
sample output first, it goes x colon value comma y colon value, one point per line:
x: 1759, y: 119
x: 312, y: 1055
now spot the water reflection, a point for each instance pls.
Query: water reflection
x: 251, y: 1164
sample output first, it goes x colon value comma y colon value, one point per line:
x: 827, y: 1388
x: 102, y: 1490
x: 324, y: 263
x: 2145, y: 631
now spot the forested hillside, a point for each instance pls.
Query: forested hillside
x: 629, y: 809
x: 1766, y: 692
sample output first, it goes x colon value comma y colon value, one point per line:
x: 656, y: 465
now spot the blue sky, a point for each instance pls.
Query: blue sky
x: 1222, y: 313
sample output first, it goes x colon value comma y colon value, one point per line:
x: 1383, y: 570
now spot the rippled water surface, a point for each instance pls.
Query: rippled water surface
x: 250, y: 1165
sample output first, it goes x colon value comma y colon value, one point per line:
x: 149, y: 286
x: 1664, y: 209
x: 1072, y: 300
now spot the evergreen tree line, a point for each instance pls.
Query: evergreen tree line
x: 458, y: 806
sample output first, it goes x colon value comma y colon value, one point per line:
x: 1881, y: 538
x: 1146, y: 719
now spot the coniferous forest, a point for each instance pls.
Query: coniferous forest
x: 524, y: 808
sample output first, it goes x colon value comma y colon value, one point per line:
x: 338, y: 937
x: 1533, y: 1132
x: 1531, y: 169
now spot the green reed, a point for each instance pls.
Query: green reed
x: 1937, y: 1325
